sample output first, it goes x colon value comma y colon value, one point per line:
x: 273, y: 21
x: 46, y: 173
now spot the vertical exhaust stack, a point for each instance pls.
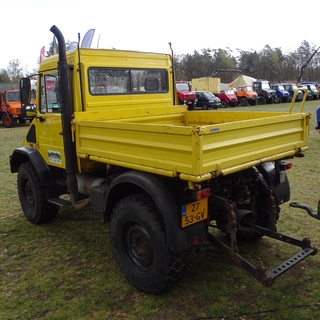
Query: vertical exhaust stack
x: 66, y: 117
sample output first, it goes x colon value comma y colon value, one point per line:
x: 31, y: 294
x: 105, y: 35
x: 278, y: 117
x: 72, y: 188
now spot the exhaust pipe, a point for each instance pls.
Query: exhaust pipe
x: 66, y: 118
x: 245, y: 218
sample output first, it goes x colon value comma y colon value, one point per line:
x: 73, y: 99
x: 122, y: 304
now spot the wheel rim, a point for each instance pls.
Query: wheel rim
x: 29, y: 194
x: 137, y: 246
x: 7, y: 120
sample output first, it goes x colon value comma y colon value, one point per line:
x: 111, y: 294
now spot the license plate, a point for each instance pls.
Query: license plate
x: 194, y: 212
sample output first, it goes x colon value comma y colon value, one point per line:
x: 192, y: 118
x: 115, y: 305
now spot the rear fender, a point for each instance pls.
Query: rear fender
x: 131, y: 182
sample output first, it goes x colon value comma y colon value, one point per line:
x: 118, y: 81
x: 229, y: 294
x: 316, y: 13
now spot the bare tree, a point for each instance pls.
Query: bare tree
x: 14, y: 70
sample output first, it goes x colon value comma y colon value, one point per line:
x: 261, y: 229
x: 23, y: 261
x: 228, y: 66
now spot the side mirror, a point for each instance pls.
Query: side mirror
x: 25, y: 91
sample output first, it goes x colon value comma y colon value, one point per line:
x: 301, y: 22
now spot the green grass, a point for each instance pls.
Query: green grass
x: 66, y: 269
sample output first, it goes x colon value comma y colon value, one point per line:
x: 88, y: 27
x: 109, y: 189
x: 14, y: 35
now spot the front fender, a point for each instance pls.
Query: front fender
x: 25, y: 154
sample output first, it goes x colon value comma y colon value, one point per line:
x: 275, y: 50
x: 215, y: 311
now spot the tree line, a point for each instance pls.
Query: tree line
x: 268, y: 63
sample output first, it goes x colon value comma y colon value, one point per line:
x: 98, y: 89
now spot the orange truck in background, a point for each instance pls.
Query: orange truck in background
x: 246, y: 96
x: 10, y: 108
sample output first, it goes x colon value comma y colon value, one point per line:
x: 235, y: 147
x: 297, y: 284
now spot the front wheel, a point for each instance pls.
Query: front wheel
x: 32, y: 196
x: 262, y: 100
x: 140, y: 248
x: 205, y: 107
x: 8, y: 121
x: 224, y: 104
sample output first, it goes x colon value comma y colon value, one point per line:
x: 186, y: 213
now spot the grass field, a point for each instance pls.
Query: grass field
x: 66, y: 269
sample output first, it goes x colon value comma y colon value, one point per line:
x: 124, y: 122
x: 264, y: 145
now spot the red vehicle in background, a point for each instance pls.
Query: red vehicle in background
x: 228, y: 98
x: 186, y: 95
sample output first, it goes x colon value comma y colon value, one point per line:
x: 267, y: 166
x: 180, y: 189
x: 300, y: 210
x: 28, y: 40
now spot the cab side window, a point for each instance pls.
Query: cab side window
x: 50, y: 94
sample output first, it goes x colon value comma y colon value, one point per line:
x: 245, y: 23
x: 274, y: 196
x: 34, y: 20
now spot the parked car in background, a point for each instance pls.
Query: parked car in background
x: 228, y: 98
x: 246, y: 96
x: 282, y: 95
x: 206, y: 100
x: 291, y: 88
x: 311, y: 88
x: 265, y: 93
x: 186, y: 96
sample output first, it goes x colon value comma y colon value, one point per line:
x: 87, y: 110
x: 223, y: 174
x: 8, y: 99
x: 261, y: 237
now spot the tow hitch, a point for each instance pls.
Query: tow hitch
x: 309, y: 210
x: 259, y: 272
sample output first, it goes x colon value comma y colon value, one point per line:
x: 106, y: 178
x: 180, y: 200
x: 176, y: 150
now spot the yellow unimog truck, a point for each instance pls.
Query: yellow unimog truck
x: 109, y: 133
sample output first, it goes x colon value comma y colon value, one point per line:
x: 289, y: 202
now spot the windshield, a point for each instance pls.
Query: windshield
x: 229, y: 92
x: 313, y: 87
x: 13, y: 96
x: 280, y: 88
x: 182, y: 86
x: 265, y: 85
x: 209, y: 95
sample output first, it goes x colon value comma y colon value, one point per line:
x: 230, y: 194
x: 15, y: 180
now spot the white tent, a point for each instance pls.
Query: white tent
x: 242, y: 80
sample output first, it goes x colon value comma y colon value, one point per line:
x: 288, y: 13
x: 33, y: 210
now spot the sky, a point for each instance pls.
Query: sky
x: 150, y: 25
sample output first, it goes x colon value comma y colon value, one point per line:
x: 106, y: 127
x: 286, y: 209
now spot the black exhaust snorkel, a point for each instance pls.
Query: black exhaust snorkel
x: 66, y: 118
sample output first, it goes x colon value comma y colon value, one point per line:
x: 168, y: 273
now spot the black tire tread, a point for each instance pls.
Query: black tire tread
x: 177, y: 262
x: 47, y: 211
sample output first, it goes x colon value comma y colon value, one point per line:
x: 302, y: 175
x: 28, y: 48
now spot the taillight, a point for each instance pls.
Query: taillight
x: 285, y: 166
x: 204, y: 193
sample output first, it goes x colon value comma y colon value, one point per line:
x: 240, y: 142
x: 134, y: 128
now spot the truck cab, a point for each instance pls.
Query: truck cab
x: 282, y: 95
x: 186, y: 96
x: 227, y: 98
x: 312, y: 87
x: 291, y: 88
x: 264, y: 91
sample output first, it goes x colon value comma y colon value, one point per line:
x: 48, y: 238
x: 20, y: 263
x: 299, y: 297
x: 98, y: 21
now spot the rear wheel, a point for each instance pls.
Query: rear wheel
x: 140, y: 247
x: 205, y: 106
x: 243, y: 102
x: 32, y: 196
x: 8, y: 121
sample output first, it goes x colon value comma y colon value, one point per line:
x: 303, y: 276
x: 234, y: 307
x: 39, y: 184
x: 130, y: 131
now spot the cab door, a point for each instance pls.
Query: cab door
x: 49, y: 126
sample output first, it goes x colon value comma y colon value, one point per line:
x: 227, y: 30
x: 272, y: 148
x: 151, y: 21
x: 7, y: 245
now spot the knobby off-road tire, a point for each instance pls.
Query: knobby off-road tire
x: 262, y: 100
x: 32, y: 196
x: 140, y: 247
x: 8, y: 121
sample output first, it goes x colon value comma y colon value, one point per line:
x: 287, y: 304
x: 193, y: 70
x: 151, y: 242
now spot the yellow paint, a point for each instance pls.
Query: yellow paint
x: 148, y: 132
